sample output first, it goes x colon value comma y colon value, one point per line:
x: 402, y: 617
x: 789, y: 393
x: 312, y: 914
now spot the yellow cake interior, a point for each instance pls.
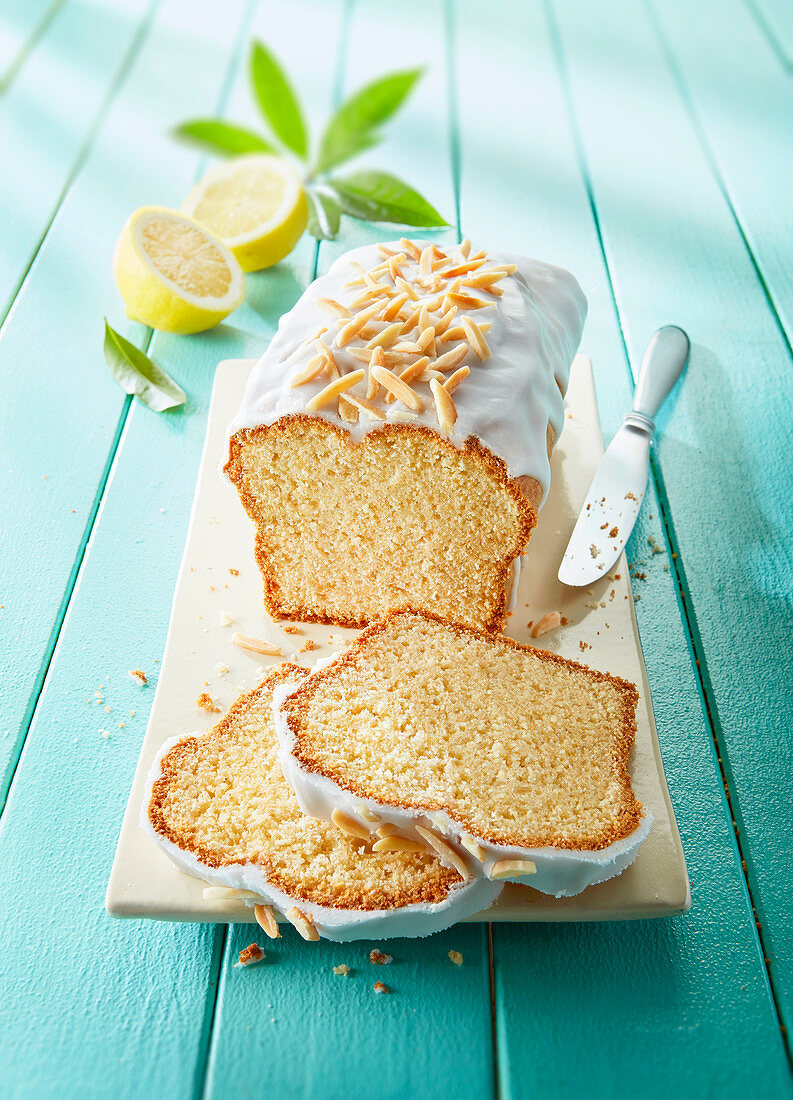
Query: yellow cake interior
x: 345, y: 531
x: 518, y: 745
x: 223, y: 797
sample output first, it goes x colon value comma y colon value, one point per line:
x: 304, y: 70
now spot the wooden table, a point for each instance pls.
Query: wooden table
x: 647, y: 147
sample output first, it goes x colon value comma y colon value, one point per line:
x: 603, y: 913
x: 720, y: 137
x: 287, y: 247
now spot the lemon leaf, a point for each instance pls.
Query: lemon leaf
x: 324, y: 215
x: 276, y: 99
x: 380, y: 197
x: 350, y: 129
x: 138, y: 375
x: 222, y: 137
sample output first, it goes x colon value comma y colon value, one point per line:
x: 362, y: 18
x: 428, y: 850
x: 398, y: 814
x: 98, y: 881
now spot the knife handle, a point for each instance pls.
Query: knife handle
x: 661, y: 367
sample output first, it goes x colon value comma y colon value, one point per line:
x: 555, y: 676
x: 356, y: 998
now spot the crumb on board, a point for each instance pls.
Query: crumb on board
x: 653, y: 543
x: 550, y: 621
x: 226, y: 619
x: 614, y: 532
x: 234, y: 572
x: 342, y: 969
x: 291, y: 630
x: 593, y: 550
x: 206, y: 702
x: 456, y: 958
x: 139, y: 676
x: 250, y: 955
x: 221, y: 669
x: 379, y: 958
x: 380, y: 988
x: 584, y: 646
x: 308, y: 646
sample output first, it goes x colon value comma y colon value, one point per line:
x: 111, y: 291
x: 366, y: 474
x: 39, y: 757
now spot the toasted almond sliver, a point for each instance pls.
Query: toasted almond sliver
x: 227, y: 893
x: 387, y: 830
x: 333, y: 389
x: 313, y: 368
x: 484, y: 278
x: 457, y: 332
x: 395, y: 263
x: 476, y: 850
x: 397, y: 844
x: 464, y: 268
x: 424, y: 319
x: 372, y: 386
x: 363, y: 354
x: 353, y: 327
x: 407, y: 347
x: 444, y: 407
x: 428, y: 375
x: 255, y: 645
x: 330, y: 305
x: 347, y: 411
x: 412, y: 249
x: 426, y: 341
x: 425, y: 260
x: 386, y: 251
x: 406, y: 288
x: 476, y: 339
x: 386, y: 337
x: 508, y: 868
x: 445, y: 851
x: 394, y: 306
x: 410, y: 374
x: 451, y: 359
x: 303, y: 925
x: 400, y: 389
x: 349, y: 826
x: 333, y: 366
x: 366, y: 407
x: 411, y: 320
x: 367, y: 814
x: 508, y: 269
x: 454, y: 380
x: 366, y: 297
x: 265, y: 918
x: 434, y: 304
x: 467, y: 301
x: 550, y: 621
x: 443, y: 322
x: 465, y: 248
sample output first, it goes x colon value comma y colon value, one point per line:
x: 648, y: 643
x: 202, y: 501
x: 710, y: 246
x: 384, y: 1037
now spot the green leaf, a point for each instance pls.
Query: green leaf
x: 380, y: 197
x: 222, y: 137
x: 350, y: 129
x: 137, y: 374
x: 276, y: 99
x: 324, y: 215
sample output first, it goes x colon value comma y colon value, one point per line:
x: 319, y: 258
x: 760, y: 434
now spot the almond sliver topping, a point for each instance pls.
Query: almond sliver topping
x: 265, y: 918
x: 451, y: 359
x: 400, y: 389
x: 397, y: 844
x: 476, y: 339
x: 353, y: 327
x: 349, y: 826
x: 454, y: 380
x: 365, y: 406
x: 412, y: 249
x: 507, y: 868
x: 330, y: 305
x: 445, y: 851
x: 444, y: 407
x: 313, y: 368
x: 387, y: 337
x: 334, y: 388
x: 302, y: 923
x: 394, y: 306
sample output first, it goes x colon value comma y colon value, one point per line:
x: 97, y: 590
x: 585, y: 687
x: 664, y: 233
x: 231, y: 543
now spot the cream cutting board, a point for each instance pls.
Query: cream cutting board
x: 211, y: 603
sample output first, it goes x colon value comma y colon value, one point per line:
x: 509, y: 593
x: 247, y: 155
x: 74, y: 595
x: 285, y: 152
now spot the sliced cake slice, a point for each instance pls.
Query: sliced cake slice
x: 219, y: 806
x: 512, y: 758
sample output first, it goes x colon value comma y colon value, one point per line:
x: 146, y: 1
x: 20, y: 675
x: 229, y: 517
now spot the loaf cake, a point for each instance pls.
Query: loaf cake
x: 513, y: 757
x: 219, y: 806
x: 392, y: 446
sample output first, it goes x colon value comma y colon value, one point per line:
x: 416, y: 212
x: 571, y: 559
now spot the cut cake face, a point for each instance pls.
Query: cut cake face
x: 393, y: 443
x: 514, y: 757
x: 219, y: 806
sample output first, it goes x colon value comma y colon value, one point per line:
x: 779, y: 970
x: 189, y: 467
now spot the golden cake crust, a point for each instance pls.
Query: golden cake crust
x: 431, y: 881
x: 296, y: 707
x: 526, y: 492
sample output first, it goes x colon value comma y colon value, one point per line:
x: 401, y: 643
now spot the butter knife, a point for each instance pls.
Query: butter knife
x: 615, y: 496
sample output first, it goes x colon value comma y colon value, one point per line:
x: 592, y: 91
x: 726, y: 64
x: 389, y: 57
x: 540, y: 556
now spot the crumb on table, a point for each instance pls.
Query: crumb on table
x: 380, y: 988
x: 139, y: 676
x: 342, y: 969
x: 456, y: 958
x: 206, y: 702
x: 379, y: 958
x: 250, y: 954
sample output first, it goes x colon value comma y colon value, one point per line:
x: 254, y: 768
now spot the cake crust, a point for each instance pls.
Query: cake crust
x: 525, y: 492
x: 295, y: 709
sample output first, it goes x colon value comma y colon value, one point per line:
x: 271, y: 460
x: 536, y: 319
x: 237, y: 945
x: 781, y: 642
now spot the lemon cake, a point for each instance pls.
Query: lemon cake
x: 392, y: 447
x: 513, y: 757
x: 219, y: 806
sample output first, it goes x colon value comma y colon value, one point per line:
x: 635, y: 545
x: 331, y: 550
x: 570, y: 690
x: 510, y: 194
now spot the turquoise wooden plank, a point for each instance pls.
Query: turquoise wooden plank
x: 21, y: 25
x: 49, y: 117
x: 56, y: 387
x: 674, y: 252
x: 602, y: 1010
x: 742, y: 103
x: 776, y: 22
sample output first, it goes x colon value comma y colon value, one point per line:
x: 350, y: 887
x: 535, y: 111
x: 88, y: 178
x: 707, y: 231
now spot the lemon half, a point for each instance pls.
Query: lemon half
x: 256, y: 204
x: 173, y: 274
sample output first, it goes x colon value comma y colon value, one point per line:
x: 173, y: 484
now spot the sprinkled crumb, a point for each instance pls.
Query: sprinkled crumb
x: 380, y: 988
x: 291, y: 630
x: 308, y: 646
x: 593, y: 550
x: 342, y: 969
x: 234, y: 572
x: 378, y: 958
x: 205, y: 702
x: 584, y: 646
x: 226, y: 619
x: 614, y: 532
x: 139, y: 676
x: 250, y: 955
x: 656, y: 549
x: 104, y: 733
x: 456, y: 958
x: 222, y: 670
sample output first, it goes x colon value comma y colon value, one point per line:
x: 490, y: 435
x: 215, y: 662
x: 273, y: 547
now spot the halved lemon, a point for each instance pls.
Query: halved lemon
x: 174, y: 274
x: 256, y: 204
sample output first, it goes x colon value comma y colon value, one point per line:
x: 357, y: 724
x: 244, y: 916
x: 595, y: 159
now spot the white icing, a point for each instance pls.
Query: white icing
x: 506, y: 401
x: 561, y: 872
x: 463, y: 900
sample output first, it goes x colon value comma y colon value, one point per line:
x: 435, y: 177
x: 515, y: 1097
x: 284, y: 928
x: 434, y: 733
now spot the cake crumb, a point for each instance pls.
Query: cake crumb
x: 380, y: 988
x: 226, y: 619
x: 222, y: 670
x: 456, y: 958
x: 614, y: 532
x: 291, y: 630
x: 584, y: 646
x: 378, y: 958
x: 139, y: 676
x: 308, y: 646
x: 342, y: 969
x: 250, y: 955
x: 593, y: 550
x: 234, y: 572
x: 550, y: 621
x: 656, y: 549
x: 205, y: 702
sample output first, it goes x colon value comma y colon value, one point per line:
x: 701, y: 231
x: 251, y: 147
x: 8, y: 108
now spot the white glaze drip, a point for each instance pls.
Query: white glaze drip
x: 506, y: 401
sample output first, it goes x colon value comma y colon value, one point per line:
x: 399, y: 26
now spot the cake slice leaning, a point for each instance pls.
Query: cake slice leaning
x: 218, y: 805
x: 509, y: 757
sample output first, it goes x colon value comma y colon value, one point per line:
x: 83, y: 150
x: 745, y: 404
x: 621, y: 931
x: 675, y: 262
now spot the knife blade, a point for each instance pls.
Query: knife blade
x: 617, y: 490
